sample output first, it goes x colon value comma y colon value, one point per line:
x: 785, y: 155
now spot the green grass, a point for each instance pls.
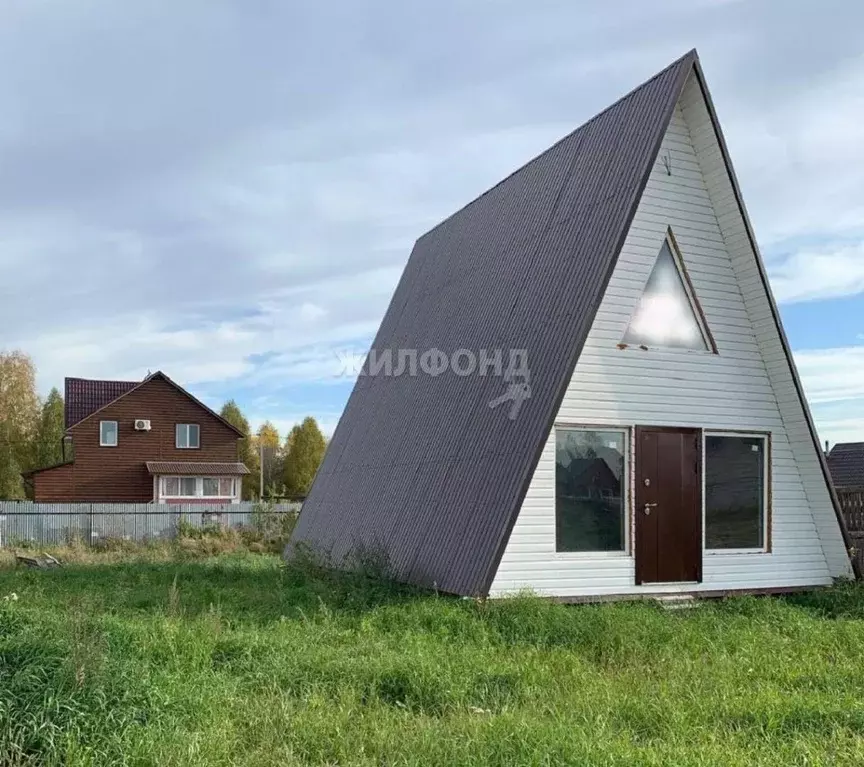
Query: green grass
x: 235, y: 660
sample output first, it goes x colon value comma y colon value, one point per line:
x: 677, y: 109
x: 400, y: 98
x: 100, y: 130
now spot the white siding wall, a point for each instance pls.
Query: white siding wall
x: 730, y: 390
x: 744, y: 262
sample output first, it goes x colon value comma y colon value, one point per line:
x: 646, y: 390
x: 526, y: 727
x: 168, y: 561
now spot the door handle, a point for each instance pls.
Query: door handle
x: 648, y: 507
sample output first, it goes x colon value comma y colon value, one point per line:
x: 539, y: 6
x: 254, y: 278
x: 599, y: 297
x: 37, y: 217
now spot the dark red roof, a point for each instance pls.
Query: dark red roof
x: 84, y: 396
x: 846, y: 462
x: 198, y: 468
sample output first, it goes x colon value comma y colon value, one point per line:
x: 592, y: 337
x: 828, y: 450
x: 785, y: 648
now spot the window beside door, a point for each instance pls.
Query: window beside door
x: 590, y: 489
x: 736, y: 496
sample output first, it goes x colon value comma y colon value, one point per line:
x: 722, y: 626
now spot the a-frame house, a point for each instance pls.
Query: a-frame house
x: 654, y: 436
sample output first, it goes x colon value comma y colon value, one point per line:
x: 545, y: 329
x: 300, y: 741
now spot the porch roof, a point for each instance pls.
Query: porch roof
x: 197, y: 468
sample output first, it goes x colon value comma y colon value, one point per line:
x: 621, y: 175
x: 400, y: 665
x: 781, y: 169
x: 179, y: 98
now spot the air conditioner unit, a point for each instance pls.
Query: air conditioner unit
x: 142, y: 425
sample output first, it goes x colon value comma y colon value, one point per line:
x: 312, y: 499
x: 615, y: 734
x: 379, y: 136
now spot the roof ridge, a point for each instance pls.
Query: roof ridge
x: 691, y: 54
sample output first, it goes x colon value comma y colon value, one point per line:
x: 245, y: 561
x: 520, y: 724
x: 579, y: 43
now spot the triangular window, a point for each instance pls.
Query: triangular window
x: 668, y: 314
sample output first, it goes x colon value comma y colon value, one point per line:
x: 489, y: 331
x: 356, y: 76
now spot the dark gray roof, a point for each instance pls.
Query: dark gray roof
x: 846, y: 463
x: 420, y: 469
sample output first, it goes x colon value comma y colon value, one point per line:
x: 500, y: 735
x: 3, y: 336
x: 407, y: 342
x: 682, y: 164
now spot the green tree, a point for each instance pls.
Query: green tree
x: 306, y: 451
x: 19, y: 414
x: 289, y: 439
x: 289, y: 487
x: 11, y: 482
x: 50, y: 431
x: 246, y: 449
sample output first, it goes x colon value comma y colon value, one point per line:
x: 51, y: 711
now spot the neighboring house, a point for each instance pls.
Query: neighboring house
x: 588, y: 478
x: 846, y: 462
x: 139, y: 442
x: 619, y: 273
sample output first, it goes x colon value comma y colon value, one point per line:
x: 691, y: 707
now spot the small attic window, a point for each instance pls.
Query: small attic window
x: 668, y: 314
x: 108, y: 433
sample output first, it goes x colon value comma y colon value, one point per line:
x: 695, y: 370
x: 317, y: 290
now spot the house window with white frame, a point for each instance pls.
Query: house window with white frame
x: 108, y: 433
x: 736, y: 492
x: 188, y: 436
x: 221, y: 487
x: 590, y: 490
x: 198, y: 487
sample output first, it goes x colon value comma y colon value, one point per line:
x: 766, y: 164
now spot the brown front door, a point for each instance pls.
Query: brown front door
x: 668, y: 507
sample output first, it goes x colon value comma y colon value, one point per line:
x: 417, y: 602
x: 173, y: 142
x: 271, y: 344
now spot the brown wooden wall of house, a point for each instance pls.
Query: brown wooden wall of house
x: 53, y: 485
x: 118, y: 474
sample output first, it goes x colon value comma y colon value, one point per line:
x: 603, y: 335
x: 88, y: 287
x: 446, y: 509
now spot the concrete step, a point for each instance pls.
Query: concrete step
x: 677, y: 601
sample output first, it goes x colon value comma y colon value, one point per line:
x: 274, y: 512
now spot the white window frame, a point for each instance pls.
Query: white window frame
x: 102, y: 442
x: 234, y: 491
x: 196, y: 482
x: 695, y: 305
x: 766, y: 491
x: 219, y: 480
x: 626, y: 552
x: 199, y: 486
x: 185, y: 427
x: 163, y: 487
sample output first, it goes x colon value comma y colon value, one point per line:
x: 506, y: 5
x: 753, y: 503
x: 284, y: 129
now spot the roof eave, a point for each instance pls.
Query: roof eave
x: 31, y: 472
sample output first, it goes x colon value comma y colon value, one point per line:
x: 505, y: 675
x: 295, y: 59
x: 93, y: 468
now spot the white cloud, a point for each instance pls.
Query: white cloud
x: 833, y: 381
x: 221, y: 198
x: 798, y: 153
x: 209, y: 352
x: 831, y: 375
x: 799, y: 157
x: 310, y: 312
x: 819, y: 273
x: 841, y: 429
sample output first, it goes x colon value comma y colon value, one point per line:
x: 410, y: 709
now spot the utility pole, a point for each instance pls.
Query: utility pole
x: 261, y: 470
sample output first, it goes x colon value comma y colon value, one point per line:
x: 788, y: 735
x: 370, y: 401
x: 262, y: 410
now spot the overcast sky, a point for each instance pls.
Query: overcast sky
x: 229, y: 190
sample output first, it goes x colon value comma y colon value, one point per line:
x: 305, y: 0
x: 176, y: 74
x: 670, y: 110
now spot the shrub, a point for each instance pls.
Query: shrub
x: 269, y: 528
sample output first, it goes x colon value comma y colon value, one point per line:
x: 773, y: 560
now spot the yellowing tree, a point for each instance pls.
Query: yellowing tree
x: 248, y: 454
x: 307, y: 447
x: 50, y: 431
x: 268, y: 435
x: 19, y: 412
x: 269, y: 449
